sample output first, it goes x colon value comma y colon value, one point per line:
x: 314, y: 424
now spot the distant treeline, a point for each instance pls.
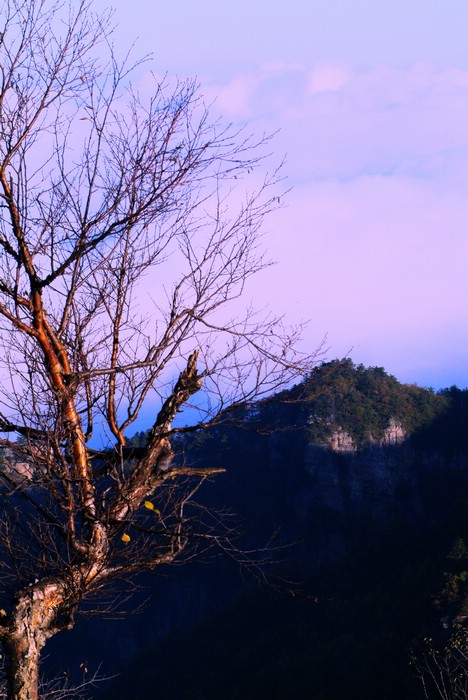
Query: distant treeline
x: 361, y: 401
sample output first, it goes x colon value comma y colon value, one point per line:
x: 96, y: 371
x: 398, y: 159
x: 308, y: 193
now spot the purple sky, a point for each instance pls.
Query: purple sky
x: 371, y: 99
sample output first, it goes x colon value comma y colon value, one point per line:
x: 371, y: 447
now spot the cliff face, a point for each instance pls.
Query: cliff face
x: 332, y: 493
x: 370, y: 480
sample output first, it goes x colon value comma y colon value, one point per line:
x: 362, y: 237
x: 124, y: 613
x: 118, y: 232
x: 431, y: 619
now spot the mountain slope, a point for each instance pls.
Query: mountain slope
x: 363, y: 480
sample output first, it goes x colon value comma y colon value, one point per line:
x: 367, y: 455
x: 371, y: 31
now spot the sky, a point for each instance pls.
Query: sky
x: 370, y: 102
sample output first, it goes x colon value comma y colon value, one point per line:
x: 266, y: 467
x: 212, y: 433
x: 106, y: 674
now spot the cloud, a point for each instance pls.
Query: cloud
x: 373, y: 244
x: 338, y: 122
x: 261, y: 93
x: 379, y: 264
x: 327, y: 78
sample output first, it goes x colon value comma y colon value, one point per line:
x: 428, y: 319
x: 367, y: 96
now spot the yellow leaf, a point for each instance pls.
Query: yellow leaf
x: 157, y: 511
x: 149, y: 505
x: 125, y: 537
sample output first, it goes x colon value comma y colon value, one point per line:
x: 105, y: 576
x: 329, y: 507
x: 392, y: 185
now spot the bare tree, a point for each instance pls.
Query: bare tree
x: 62, y: 688
x: 110, y: 201
x: 444, y: 674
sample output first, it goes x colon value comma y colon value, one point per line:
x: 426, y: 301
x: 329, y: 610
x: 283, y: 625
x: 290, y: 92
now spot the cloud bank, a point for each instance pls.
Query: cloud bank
x: 373, y: 245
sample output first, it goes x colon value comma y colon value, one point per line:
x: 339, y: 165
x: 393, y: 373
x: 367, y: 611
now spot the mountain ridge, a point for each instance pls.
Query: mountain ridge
x: 366, y: 530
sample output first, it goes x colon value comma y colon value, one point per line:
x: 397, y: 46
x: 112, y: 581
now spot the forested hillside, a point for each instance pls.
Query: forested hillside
x: 356, y: 485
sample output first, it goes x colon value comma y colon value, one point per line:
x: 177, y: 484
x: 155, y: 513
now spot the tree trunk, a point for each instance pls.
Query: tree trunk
x: 22, y: 668
x: 30, y: 625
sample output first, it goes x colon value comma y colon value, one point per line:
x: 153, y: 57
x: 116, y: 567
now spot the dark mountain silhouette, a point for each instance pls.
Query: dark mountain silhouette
x: 357, y: 487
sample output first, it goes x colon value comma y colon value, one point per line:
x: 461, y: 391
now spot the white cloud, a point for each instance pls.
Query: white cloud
x: 336, y: 122
x: 327, y: 78
x: 373, y: 246
x: 380, y: 265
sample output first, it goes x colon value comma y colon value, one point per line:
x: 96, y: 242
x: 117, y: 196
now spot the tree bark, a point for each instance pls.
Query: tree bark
x: 31, y: 624
x: 22, y: 667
